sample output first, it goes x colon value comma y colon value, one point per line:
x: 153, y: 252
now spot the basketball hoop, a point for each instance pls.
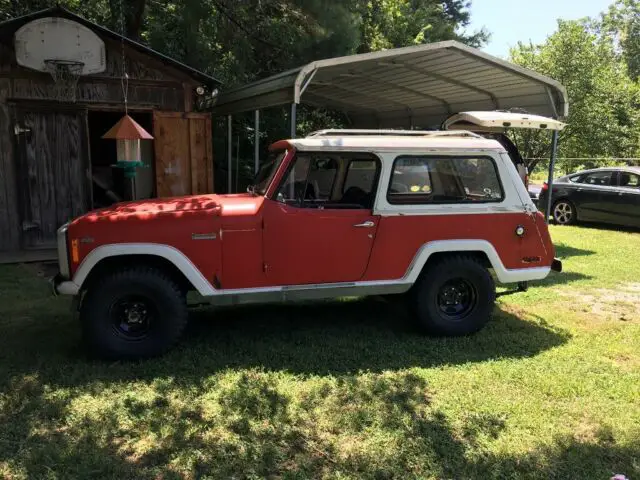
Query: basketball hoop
x: 65, y: 74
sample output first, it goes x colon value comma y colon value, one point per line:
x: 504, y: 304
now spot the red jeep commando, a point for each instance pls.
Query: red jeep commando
x: 432, y: 216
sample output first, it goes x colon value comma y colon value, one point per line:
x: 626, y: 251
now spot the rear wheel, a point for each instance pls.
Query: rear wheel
x: 454, y: 296
x: 564, y: 213
x: 133, y: 313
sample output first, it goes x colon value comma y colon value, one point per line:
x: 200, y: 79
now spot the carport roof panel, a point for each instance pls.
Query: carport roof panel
x: 418, y: 83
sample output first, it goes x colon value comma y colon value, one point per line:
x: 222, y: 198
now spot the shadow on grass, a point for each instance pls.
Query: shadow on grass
x: 334, y: 337
x: 564, y: 251
x: 608, y: 227
x: 558, y: 279
x: 354, y: 427
x: 348, y: 336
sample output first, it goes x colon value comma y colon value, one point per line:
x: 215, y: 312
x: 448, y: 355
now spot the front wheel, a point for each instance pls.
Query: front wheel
x: 454, y: 296
x: 133, y: 313
x: 564, y: 213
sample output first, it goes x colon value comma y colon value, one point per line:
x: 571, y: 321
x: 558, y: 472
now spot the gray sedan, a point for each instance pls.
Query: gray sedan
x: 607, y: 195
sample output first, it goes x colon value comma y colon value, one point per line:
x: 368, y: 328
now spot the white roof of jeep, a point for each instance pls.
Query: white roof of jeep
x: 369, y: 140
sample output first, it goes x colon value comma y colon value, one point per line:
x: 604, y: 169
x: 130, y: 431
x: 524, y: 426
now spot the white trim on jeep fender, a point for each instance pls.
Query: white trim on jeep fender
x: 504, y: 275
x: 248, y: 295
x: 173, y: 255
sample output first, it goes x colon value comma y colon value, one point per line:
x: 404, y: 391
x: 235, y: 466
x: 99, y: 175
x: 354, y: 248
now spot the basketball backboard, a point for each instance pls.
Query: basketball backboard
x: 54, y: 38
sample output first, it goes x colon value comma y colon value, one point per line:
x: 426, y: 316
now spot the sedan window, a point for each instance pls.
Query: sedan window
x: 629, y: 180
x: 597, y: 178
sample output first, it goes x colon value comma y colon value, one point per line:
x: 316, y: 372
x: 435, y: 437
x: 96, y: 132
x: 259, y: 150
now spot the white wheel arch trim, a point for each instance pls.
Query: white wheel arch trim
x: 200, y: 283
x: 173, y: 255
x: 504, y: 274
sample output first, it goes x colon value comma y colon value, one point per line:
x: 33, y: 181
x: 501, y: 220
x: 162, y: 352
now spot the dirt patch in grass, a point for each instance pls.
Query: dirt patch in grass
x: 605, y: 304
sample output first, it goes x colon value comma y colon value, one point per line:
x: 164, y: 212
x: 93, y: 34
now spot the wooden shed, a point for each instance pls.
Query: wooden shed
x: 54, y: 165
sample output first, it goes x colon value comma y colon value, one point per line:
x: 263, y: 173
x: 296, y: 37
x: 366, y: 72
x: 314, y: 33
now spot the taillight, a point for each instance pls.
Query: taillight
x: 545, y: 187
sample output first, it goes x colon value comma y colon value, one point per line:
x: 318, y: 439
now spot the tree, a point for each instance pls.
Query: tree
x: 622, y: 23
x: 604, y: 119
x: 399, y: 23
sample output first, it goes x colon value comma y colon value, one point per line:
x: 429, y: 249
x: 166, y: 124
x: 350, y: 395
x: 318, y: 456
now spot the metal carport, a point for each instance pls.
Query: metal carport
x: 418, y: 86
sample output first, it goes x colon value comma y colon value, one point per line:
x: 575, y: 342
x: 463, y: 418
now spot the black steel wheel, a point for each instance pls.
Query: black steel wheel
x: 456, y: 299
x: 132, y: 316
x: 133, y: 313
x: 454, y: 295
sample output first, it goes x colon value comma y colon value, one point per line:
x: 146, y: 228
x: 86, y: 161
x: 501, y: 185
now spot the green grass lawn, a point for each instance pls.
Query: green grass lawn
x: 550, y: 389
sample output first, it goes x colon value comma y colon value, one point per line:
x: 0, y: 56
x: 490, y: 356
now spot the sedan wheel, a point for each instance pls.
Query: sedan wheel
x: 564, y: 213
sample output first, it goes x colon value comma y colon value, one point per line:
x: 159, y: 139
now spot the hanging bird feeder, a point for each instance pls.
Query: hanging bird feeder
x: 128, y: 134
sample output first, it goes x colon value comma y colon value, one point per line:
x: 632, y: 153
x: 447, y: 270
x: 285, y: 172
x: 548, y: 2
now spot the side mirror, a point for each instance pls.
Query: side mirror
x: 280, y: 197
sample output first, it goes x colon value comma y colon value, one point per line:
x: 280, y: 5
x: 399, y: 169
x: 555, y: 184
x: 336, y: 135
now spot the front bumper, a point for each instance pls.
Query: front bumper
x: 62, y: 286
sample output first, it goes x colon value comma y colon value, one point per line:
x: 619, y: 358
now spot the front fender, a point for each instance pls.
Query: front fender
x: 169, y: 253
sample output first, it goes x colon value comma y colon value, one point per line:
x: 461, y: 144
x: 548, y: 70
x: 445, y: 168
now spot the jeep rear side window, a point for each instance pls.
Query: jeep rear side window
x: 425, y: 180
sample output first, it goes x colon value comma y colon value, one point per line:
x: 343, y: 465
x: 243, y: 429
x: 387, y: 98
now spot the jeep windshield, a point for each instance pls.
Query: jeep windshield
x: 266, y: 173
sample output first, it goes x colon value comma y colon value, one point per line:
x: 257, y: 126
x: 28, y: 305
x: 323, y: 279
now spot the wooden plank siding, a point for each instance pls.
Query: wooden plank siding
x: 184, y: 158
x: 9, y: 222
x: 54, y: 172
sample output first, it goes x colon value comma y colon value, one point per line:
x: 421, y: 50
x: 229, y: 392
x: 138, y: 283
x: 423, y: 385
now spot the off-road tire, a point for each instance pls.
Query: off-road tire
x: 568, y: 216
x: 427, y: 295
x: 102, y: 335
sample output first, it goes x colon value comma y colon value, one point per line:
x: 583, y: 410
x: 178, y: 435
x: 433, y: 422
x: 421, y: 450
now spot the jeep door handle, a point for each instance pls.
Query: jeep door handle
x: 367, y: 224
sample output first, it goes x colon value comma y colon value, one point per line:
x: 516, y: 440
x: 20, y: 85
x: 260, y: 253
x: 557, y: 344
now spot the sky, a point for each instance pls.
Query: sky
x: 510, y: 21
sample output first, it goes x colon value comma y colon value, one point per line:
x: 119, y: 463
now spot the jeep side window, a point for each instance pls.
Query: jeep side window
x: 292, y: 190
x: 321, y: 179
x: 359, y: 183
x: 330, y: 181
x: 309, y: 182
x: 425, y: 179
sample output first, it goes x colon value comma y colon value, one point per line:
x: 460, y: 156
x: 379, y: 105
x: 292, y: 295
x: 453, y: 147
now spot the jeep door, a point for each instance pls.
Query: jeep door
x: 319, y: 226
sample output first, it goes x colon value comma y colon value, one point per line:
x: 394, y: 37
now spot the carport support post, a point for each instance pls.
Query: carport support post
x: 293, y: 119
x: 229, y: 153
x: 552, y: 164
x: 256, y: 141
x: 293, y: 135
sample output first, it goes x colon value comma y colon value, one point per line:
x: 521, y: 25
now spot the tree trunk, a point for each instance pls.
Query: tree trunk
x: 136, y: 15
x: 133, y: 17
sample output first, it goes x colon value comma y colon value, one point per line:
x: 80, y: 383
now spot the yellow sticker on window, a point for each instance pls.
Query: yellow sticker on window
x: 415, y: 188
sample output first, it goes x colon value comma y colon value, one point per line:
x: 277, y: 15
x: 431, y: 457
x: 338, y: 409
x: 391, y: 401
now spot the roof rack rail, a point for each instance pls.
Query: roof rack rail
x: 403, y: 133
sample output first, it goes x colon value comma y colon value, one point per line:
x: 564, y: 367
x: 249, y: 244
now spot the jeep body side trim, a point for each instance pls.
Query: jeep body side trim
x: 306, y: 291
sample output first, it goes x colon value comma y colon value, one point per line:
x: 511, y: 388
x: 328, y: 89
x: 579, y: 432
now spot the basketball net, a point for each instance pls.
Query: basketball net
x: 65, y: 74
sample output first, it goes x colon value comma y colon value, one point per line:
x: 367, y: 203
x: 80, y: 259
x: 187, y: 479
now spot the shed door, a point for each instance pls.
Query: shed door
x: 184, y: 157
x: 53, y: 171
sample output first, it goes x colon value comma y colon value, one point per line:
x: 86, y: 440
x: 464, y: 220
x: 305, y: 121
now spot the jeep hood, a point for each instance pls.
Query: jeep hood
x: 223, y: 205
